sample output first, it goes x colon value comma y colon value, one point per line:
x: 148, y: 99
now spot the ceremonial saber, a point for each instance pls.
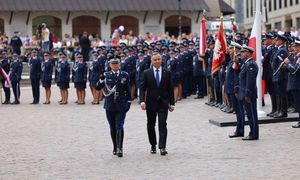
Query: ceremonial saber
x: 280, y: 58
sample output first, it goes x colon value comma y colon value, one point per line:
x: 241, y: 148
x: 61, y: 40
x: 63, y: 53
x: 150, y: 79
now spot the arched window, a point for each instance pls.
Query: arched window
x: 88, y: 24
x: 172, y: 25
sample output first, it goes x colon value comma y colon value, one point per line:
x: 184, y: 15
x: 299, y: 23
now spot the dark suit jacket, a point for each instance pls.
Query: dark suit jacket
x: 157, y: 97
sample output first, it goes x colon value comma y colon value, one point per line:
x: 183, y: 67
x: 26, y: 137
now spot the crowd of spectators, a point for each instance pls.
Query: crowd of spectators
x: 70, y: 43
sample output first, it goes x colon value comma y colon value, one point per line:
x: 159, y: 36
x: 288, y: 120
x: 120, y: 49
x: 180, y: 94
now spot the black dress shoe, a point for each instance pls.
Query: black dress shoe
x: 296, y: 125
x: 163, y: 152
x: 222, y: 106
x: 153, y: 150
x: 34, y: 103
x: 249, y: 138
x: 274, y: 114
x: 212, y: 104
x: 6, y: 102
x: 235, y: 134
x: 280, y: 115
x: 114, y: 151
x: 230, y: 110
x: 119, y: 152
x: 271, y: 113
x: 16, y: 102
x: 291, y: 110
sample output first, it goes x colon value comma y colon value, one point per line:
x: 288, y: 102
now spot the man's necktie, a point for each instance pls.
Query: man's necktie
x: 157, y: 77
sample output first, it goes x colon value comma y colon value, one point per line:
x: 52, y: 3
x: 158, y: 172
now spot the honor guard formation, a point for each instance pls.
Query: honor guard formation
x: 119, y: 74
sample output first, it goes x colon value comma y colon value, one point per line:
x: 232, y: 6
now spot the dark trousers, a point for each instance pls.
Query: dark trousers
x: 16, y: 89
x: 35, y: 85
x: 251, y: 111
x: 6, y: 91
x: 296, y: 95
x: 85, y: 54
x: 116, y: 123
x: 162, y: 127
x: 187, y: 84
x: 218, y: 90
x: 240, y: 115
x: 198, y: 85
x: 281, y: 96
x: 211, y: 88
x: 115, y: 119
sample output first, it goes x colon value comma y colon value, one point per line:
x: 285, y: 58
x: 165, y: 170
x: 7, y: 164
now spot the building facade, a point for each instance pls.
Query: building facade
x: 103, y: 17
x: 278, y: 14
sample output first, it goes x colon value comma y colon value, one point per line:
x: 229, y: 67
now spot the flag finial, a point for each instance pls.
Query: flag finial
x: 204, y: 13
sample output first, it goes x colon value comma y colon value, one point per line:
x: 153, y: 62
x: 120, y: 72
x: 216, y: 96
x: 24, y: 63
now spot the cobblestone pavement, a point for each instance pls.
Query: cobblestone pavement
x: 73, y: 142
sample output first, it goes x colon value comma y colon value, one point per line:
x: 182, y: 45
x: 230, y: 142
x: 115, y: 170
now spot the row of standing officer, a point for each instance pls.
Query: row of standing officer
x: 280, y: 83
x: 185, y: 55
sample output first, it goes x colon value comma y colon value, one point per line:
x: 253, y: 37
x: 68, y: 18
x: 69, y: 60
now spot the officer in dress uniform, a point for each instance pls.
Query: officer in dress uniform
x: 116, y: 89
x: 184, y: 55
x: 293, y: 67
x: 208, y: 61
x: 198, y: 74
x: 102, y: 60
x: 147, y: 58
x: 248, y: 90
x: 173, y: 67
x: 165, y: 56
x: 5, y: 65
x: 180, y: 72
x: 191, y: 53
x: 131, y: 70
x: 280, y: 77
x: 268, y: 50
x: 46, y: 77
x: 34, y: 63
x: 80, y: 78
x: 57, y: 67
x: 94, y: 74
x: 141, y: 66
x: 15, y: 76
x: 63, y: 78
x: 231, y: 87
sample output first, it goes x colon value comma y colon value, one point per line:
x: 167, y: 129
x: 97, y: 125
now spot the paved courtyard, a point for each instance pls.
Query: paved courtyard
x: 73, y: 142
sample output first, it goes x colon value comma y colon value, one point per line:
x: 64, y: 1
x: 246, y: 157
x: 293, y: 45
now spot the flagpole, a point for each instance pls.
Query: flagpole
x: 260, y: 111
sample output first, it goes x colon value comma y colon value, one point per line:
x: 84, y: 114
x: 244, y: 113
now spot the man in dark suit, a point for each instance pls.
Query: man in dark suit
x: 85, y: 45
x: 157, y: 87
